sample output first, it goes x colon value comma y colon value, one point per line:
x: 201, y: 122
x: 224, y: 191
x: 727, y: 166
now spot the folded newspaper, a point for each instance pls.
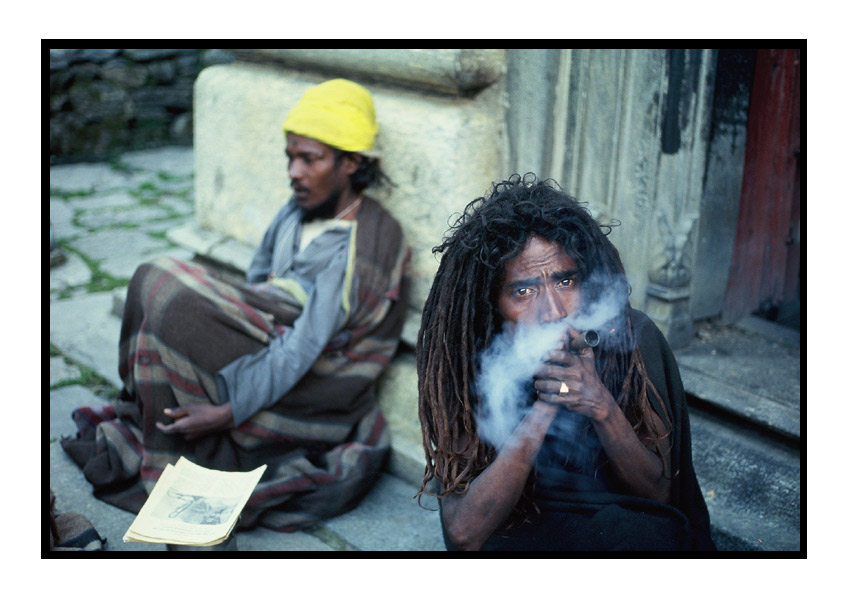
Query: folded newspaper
x: 194, y: 506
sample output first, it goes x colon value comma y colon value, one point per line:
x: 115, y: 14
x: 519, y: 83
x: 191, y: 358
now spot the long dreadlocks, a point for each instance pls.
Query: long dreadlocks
x: 460, y: 318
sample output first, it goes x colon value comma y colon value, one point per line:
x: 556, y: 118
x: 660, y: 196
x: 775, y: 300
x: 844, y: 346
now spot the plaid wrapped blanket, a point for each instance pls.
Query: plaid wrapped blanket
x: 324, y: 442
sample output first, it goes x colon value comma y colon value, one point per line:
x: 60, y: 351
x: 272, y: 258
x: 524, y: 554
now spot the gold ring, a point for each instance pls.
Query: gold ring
x: 564, y: 389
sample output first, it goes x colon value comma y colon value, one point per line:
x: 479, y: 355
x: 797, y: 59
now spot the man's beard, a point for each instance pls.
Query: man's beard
x: 325, y: 210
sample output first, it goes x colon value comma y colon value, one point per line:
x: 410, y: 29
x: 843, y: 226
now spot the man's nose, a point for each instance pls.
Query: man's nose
x: 295, y: 170
x: 552, y: 307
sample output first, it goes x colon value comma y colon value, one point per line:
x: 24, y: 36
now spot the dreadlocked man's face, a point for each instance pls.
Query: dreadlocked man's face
x: 540, y: 284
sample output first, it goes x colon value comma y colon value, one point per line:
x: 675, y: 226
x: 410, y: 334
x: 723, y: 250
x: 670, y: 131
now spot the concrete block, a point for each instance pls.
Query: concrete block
x: 441, y: 152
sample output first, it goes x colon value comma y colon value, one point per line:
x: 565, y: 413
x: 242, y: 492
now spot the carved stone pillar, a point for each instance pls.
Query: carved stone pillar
x: 636, y: 134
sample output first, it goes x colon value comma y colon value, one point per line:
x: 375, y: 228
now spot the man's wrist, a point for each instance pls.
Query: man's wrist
x: 226, y: 417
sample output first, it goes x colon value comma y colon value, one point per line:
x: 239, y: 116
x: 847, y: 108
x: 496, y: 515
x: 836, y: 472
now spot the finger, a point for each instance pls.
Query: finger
x: 586, y: 353
x: 548, y: 371
x: 546, y: 386
x: 556, y: 392
x: 176, y: 413
x: 169, y: 429
x: 561, y: 357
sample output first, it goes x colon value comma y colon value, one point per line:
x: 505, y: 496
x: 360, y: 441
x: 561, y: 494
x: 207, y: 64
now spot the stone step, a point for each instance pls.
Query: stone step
x: 748, y: 371
x: 751, y: 484
x: 743, y: 387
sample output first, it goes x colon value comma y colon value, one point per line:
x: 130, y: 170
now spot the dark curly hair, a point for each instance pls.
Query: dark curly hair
x: 460, y: 318
x: 368, y: 172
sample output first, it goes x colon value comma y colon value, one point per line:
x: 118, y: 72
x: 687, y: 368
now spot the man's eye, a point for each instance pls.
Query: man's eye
x: 522, y: 292
x: 569, y: 282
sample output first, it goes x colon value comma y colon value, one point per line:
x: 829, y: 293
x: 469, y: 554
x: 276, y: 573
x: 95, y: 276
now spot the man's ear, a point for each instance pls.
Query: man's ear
x: 350, y: 163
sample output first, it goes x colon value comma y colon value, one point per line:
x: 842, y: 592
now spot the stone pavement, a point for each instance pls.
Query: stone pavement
x: 107, y: 218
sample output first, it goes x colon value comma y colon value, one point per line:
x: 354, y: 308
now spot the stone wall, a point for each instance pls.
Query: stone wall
x: 106, y: 101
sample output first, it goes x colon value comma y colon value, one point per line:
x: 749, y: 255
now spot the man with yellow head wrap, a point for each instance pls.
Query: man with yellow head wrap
x: 281, y: 370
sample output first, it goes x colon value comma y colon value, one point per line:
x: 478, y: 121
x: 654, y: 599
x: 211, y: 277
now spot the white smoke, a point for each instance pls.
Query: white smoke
x: 506, y: 368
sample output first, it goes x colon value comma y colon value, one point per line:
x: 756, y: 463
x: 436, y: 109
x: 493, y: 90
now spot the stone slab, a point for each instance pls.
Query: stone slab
x: 754, y: 407
x: 390, y: 519
x: 63, y: 402
x: 751, y: 486
x: 115, y: 199
x: 62, y: 219
x: 86, y: 177
x: 62, y: 371
x: 160, y: 228
x: 122, y: 217
x: 84, y: 330
x: 178, y: 205
x: 773, y: 332
x: 177, y: 161
x: 266, y: 540
x: 746, y: 371
x: 194, y: 237
x: 234, y: 253
x: 104, y: 245
x: 121, y: 251
x: 72, y: 273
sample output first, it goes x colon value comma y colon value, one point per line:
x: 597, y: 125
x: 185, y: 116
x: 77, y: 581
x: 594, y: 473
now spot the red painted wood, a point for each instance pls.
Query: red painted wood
x: 763, y: 269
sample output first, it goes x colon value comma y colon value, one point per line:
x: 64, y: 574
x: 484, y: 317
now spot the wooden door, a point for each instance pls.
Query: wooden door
x: 766, y: 260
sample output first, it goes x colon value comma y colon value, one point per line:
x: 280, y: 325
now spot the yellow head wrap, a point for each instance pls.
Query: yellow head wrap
x: 339, y: 113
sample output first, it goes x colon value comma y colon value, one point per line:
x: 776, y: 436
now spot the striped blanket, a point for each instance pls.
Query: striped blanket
x: 324, y: 442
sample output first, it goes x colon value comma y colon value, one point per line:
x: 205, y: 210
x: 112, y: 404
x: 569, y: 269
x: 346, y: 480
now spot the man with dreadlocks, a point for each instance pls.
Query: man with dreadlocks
x: 538, y: 441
